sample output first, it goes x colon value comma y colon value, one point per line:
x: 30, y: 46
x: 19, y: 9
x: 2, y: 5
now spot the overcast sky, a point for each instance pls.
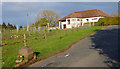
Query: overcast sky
x: 16, y: 12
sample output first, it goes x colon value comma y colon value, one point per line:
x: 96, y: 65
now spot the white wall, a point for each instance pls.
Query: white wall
x: 76, y: 23
x: 84, y: 20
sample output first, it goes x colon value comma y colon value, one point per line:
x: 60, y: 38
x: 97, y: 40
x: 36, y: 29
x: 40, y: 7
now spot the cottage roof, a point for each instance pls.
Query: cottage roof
x: 86, y: 14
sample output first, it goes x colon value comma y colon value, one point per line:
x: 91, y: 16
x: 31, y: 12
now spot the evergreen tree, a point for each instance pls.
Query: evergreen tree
x: 14, y: 26
x: 21, y: 27
x: 9, y: 26
x: 4, y: 25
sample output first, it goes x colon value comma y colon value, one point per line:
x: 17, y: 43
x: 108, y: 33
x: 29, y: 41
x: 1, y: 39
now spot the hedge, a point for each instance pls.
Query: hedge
x: 109, y: 21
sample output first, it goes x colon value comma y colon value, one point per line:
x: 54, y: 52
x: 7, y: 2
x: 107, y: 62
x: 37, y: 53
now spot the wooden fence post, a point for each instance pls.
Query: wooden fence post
x: 17, y: 30
x: 48, y: 27
x: 61, y: 34
x: 24, y: 39
x: 57, y: 33
x: 45, y: 33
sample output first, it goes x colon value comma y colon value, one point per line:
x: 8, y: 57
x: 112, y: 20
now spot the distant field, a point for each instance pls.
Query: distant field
x: 56, y: 41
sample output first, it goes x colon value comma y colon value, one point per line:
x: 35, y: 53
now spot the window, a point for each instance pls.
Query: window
x: 78, y: 19
x: 68, y: 21
x: 87, y: 19
x: 94, y: 19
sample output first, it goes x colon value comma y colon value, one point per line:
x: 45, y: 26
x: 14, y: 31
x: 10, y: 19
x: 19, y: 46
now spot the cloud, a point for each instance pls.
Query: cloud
x: 60, y: 0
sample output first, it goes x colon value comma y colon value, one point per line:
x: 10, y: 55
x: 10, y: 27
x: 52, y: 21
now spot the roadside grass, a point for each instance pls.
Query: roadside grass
x: 56, y: 41
x: 0, y: 57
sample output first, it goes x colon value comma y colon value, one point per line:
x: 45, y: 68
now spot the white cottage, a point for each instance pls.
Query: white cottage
x: 77, y: 19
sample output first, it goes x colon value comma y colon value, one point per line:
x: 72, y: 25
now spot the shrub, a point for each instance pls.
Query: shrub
x: 43, y: 24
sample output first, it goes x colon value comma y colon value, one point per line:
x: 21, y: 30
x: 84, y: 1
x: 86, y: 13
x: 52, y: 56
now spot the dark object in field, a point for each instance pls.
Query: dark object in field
x: 36, y: 54
x: 36, y: 38
x: 16, y: 42
x: 50, y: 30
x: 61, y: 37
x: 101, y: 24
x: 3, y: 44
x: 43, y: 37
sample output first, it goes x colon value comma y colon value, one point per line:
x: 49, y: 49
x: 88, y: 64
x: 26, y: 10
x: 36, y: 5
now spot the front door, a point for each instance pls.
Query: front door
x: 64, y: 26
x: 81, y: 24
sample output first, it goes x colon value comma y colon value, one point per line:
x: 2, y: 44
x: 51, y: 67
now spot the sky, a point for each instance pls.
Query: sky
x: 60, y: 0
x: 16, y: 12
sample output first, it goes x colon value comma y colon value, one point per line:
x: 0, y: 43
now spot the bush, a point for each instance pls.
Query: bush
x: 109, y: 21
x: 43, y: 24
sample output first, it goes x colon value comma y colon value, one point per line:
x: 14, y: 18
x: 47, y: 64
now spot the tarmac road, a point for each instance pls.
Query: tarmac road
x: 89, y: 52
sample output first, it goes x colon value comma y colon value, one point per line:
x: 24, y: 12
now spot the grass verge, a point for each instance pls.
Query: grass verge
x: 56, y: 41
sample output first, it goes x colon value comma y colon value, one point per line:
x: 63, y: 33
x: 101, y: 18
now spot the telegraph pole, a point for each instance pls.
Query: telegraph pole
x: 27, y: 22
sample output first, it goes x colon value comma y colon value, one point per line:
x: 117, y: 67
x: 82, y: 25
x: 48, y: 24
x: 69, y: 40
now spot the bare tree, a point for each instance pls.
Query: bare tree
x: 52, y: 17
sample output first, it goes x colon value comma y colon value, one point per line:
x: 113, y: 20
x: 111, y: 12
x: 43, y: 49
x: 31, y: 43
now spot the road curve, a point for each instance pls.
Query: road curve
x: 89, y: 52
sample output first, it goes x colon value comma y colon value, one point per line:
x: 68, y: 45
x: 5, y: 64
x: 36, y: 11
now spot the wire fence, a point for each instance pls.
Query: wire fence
x: 41, y: 31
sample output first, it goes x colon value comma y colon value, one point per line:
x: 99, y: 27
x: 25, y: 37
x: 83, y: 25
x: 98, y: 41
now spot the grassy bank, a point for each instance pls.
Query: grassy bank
x: 56, y: 41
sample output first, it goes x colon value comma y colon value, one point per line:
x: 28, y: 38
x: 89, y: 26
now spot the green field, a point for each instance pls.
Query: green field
x: 56, y: 41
